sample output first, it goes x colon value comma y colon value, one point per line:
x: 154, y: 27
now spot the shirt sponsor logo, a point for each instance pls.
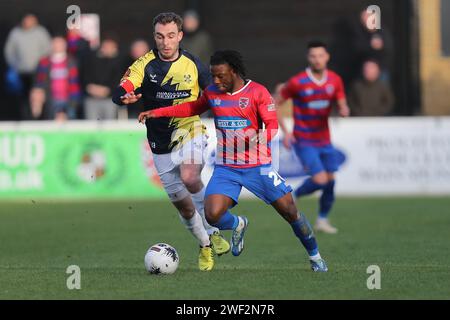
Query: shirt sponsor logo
x: 232, y: 123
x: 164, y: 95
x: 319, y: 104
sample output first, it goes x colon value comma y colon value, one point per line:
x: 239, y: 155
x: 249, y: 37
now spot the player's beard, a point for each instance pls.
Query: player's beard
x: 172, y: 56
x: 319, y: 70
x: 225, y: 87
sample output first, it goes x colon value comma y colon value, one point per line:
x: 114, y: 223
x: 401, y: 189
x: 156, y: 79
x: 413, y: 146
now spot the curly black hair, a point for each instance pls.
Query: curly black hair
x: 317, y: 44
x: 231, y: 57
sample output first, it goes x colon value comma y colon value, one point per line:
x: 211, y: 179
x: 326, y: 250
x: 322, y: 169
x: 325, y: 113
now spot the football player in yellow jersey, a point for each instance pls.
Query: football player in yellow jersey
x: 168, y: 75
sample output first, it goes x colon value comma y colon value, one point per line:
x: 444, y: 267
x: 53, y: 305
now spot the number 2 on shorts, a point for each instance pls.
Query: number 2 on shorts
x: 276, y: 178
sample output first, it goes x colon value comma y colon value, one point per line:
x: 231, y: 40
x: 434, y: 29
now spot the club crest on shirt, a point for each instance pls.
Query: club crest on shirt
x: 187, y: 78
x: 217, y: 102
x: 243, y: 102
x: 330, y: 89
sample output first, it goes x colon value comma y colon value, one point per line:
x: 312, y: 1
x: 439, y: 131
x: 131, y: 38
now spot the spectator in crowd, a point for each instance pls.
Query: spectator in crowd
x: 56, y: 85
x: 79, y: 48
x: 196, y: 40
x: 138, y: 48
x: 77, y: 45
x: 373, y: 43
x: 370, y: 96
x: 100, y: 78
x: 354, y: 42
x: 25, y: 46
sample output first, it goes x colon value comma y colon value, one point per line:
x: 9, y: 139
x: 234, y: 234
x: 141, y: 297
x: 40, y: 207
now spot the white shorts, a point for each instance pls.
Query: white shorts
x: 168, y: 166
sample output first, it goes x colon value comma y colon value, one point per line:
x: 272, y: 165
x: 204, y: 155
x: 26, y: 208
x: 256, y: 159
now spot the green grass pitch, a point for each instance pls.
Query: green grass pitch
x: 408, y: 238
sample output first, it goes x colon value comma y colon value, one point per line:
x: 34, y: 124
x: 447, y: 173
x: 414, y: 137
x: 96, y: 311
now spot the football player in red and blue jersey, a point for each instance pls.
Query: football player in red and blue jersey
x: 246, y: 121
x: 314, y: 93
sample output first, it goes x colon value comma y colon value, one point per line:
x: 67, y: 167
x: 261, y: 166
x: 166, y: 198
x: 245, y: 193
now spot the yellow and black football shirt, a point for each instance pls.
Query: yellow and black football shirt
x: 162, y: 84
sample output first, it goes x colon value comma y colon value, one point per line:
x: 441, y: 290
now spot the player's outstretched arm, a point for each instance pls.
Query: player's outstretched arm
x: 130, y: 97
x: 128, y: 91
x: 183, y: 110
x: 143, y: 116
x: 121, y: 96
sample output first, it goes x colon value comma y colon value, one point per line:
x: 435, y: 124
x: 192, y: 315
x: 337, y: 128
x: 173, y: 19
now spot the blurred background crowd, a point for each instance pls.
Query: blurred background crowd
x: 51, y: 72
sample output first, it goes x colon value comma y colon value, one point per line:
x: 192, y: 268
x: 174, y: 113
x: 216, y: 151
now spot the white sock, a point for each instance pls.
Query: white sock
x: 315, y: 257
x: 195, y: 226
x: 199, y: 203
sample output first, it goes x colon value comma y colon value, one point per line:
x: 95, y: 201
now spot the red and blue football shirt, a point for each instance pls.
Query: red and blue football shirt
x: 313, y: 100
x: 239, y: 119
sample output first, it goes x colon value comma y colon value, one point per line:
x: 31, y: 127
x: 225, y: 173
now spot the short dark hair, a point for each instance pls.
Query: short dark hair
x: 231, y: 57
x: 110, y: 36
x: 373, y: 60
x: 168, y: 17
x: 317, y: 44
x: 58, y: 35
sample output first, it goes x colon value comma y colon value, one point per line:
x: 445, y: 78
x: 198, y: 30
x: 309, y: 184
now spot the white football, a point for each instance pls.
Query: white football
x: 161, y: 258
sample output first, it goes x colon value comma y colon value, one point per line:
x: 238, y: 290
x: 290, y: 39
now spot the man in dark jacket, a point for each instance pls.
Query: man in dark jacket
x: 370, y: 96
x: 100, y: 79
